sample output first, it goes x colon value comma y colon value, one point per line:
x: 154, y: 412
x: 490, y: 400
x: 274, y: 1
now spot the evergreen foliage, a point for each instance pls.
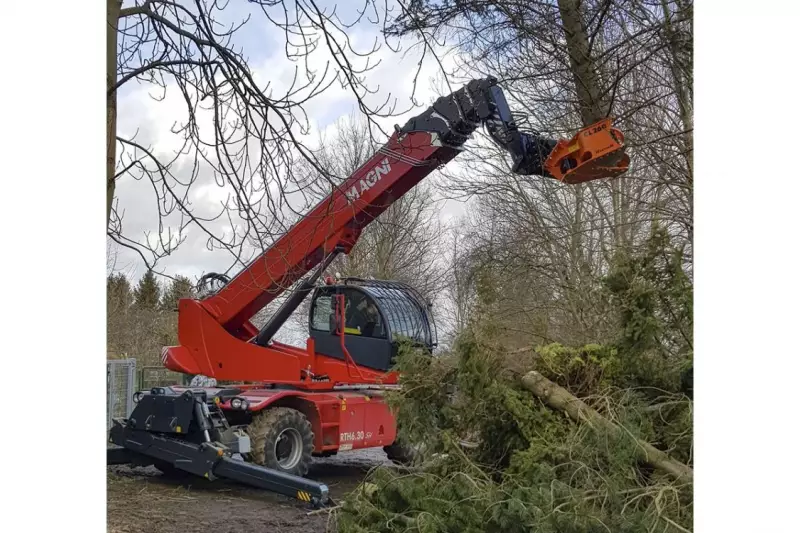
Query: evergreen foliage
x: 148, y: 292
x: 495, y: 458
x: 180, y: 287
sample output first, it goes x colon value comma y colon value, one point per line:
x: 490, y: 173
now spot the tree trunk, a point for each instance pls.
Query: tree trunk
x: 113, y: 10
x: 682, y: 87
x: 590, y: 103
x: 559, y: 398
x: 685, y: 102
x: 587, y: 82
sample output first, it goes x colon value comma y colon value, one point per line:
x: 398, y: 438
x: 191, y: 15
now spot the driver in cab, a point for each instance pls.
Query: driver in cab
x: 363, y: 317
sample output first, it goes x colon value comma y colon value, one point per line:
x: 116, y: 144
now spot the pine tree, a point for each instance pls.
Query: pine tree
x: 119, y: 296
x: 180, y: 287
x: 148, y: 292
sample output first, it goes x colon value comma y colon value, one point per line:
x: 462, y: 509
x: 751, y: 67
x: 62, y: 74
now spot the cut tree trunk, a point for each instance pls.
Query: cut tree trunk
x: 559, y: 398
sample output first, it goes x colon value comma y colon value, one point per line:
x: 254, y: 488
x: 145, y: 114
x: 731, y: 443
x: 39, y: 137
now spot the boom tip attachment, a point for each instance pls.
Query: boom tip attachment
x: 595, y: 152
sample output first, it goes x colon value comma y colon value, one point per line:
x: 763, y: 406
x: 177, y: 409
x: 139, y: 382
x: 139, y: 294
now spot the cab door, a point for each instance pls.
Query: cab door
x: 366, y: 335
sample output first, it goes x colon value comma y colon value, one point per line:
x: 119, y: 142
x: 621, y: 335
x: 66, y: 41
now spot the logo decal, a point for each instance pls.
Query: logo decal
x: 368, y: 181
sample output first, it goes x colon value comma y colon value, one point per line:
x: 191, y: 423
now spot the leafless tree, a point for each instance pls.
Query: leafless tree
x: 564, y: 65
x: 401, y: 244
x: 456, y: 302
x: 240, y: 132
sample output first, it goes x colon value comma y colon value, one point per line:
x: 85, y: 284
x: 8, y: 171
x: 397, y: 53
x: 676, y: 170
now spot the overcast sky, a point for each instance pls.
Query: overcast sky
x: 263, y: 45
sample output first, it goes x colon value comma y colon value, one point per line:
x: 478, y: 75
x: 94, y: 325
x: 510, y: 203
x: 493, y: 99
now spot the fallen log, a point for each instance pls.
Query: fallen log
x: 559, y: 398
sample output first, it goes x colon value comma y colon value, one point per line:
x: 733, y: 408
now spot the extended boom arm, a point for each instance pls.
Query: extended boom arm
x: 333, y: 226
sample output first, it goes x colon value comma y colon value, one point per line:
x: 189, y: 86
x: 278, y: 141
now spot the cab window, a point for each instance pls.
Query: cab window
x: 321, y: 314
x: 362, y: 316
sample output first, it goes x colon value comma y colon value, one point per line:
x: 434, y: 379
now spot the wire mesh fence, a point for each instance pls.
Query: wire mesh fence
x: 121, y: 384
x: 123, y: 380
x: 158, y: 376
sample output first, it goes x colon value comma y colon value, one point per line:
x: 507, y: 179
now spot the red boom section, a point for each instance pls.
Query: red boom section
x: 335, y: 221
x: 213, y: 333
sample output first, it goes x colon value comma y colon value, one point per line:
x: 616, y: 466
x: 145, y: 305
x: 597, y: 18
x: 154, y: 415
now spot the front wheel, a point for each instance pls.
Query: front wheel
x: 282, y: 439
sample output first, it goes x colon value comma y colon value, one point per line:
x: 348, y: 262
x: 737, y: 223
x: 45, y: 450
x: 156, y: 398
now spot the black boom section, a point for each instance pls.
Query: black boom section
x: 456, y: 116
x: 197, y: 459
x: 272, y: 480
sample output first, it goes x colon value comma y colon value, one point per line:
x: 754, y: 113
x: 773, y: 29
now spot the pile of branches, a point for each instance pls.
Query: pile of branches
x: 551, y: 439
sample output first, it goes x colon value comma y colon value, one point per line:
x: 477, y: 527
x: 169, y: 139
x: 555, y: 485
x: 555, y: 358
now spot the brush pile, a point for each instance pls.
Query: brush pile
x: 549, y: 439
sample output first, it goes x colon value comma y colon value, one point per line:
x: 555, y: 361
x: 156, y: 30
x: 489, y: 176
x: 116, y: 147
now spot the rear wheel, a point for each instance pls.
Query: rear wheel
x: 400, y: 453
x: 283, y: 439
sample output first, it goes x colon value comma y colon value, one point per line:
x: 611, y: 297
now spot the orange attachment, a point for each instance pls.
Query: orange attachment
x: 595, y: 152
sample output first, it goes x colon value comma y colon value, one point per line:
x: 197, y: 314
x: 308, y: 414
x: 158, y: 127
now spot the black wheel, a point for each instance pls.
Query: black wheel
x: 400, y: 453
x: 281, y: 438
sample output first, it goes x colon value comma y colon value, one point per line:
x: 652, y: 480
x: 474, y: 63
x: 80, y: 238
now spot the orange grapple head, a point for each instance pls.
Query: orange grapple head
x: 595, y: 152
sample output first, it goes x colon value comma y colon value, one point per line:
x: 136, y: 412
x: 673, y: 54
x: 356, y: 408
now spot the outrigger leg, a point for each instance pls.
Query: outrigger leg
x: 187, y: 432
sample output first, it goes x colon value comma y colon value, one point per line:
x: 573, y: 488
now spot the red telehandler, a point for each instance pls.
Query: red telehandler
x: 326, y: 397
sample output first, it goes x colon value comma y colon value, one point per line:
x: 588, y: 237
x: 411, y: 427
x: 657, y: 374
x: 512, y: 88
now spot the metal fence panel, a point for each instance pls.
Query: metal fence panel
x: 158, y: 376
x: 121, y: 384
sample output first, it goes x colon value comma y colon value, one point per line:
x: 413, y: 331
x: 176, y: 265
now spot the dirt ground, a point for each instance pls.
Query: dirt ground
x: 143, y: 500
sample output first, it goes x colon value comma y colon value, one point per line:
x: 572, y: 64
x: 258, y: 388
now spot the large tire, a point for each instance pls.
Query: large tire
x: 400, y: 453
x: 281, y: 438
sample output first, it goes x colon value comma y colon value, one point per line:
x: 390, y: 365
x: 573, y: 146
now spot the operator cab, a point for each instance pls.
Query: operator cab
x: 378, y: 316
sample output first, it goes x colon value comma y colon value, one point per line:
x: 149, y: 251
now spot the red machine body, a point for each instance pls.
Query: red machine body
x: 342, y: 419
x: 214, y: 333
x: 217, y: 338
